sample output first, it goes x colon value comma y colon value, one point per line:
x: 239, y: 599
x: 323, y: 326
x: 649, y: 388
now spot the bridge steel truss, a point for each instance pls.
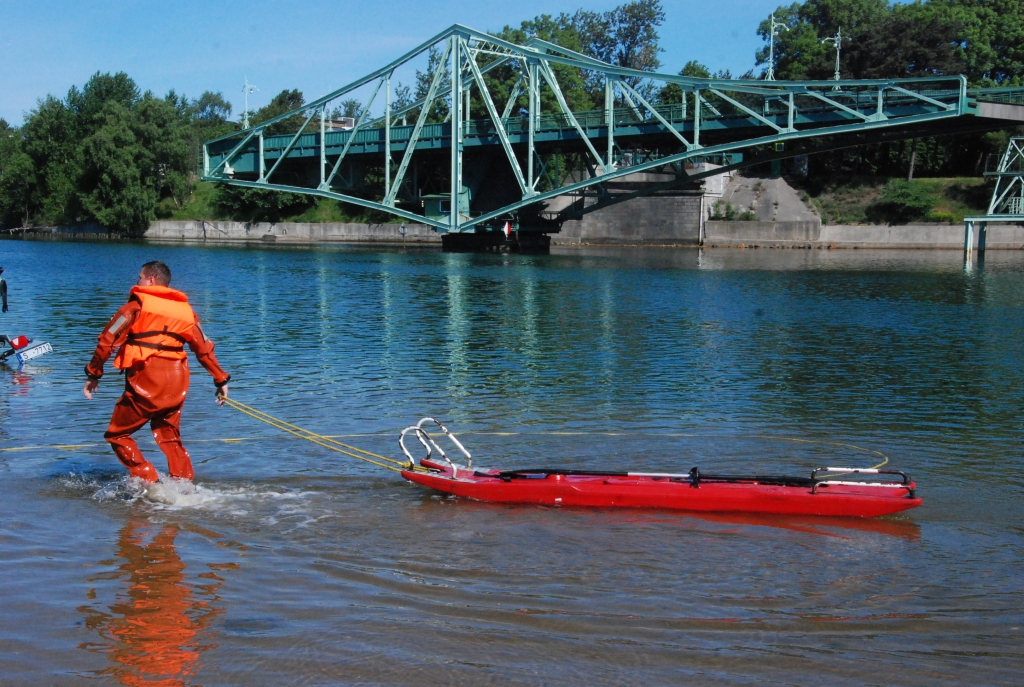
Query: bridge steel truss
x: 713, y: 117
x: 1007, y: 203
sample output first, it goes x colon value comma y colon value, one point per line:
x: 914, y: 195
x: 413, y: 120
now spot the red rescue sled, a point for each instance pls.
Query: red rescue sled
x: 820, y: 494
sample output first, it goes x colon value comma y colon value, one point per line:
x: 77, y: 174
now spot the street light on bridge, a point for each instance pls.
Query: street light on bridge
x: 838, y: 40
x: 771, y: 47
x: 247, y: 89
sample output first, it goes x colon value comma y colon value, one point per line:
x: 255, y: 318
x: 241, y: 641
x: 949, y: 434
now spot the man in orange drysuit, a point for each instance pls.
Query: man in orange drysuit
x: 151, y: 330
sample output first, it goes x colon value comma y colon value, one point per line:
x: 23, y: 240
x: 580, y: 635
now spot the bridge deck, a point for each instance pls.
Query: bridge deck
x: 557, y: 129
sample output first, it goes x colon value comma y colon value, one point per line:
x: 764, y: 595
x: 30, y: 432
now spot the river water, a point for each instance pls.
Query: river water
x: 287, y: 564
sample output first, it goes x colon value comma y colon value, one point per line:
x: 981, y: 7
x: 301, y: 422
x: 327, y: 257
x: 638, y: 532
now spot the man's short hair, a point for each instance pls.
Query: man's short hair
x: 158, y: 271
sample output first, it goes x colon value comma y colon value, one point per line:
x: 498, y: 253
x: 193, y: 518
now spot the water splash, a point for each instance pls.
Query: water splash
x: 179, y: 494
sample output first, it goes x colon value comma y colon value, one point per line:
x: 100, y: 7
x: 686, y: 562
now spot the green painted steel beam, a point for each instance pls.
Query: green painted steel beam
x: 730, y: 115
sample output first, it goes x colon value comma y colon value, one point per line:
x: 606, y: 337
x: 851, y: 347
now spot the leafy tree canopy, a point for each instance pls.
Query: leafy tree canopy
x: 983, y: 39
x: 282, y: 103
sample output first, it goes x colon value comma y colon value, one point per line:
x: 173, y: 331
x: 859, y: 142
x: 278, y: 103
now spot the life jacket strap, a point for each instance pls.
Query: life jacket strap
x: 134, y: 340
x: 155, y: 346
x: 135, y: 336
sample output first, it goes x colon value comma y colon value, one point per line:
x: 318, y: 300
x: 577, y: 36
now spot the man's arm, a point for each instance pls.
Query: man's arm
x: 113, y: 335
x: 203, y: 348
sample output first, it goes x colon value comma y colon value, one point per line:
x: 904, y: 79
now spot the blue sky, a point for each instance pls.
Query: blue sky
x: 315, y: 46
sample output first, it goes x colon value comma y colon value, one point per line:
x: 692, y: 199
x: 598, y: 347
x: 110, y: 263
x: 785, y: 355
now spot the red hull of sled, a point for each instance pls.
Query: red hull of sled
x: 607, y: 491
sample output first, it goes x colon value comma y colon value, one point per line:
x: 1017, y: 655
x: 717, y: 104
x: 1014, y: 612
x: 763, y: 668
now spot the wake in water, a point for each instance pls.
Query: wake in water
x: 178, y: 494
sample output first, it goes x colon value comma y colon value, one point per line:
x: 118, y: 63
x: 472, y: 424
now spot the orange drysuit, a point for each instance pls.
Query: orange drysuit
x: 151, y: 331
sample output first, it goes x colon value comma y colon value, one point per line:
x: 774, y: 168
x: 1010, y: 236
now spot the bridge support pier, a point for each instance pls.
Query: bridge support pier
x: 495, y: 242
x: 969, y: 226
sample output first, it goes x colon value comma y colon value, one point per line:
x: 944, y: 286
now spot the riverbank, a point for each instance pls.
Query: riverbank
x: 717, y: 234
x: 817, y: 235
x: 291, y: 232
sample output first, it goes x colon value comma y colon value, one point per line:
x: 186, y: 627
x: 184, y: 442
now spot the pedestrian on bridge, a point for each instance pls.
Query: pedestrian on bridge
x: 150, y: 332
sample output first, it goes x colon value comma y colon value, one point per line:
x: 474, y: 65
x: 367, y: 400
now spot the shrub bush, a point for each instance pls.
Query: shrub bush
x: 901, y: 202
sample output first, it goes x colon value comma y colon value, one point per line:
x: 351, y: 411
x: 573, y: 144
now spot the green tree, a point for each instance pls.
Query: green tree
x: 115, y: 187
x: 671, y: 93
x: 163, y: 128
x: 210, y: 108
x: 401, y: 98
x: 282, y: 103
x: 88, y: 104
x: 16, y: 178
x: 916, y: 39
x: 626, y: 36
x: 901, y: 202
x: 991, y: 39
x: 880, y: 40
x: 51, y: 138
x: 258, y: 205
x: 440, y: 108
x: 348, y: 108
x: 572, y: 81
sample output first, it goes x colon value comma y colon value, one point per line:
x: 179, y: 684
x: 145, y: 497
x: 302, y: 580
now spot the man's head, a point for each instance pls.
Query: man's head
x: 1, y: 270
x: 154, y: 273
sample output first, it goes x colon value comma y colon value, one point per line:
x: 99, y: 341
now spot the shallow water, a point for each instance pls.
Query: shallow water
x: 287, y: 564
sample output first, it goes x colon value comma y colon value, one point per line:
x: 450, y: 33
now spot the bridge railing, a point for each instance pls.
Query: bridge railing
x: 863, y: 100
x: 1008, y: 95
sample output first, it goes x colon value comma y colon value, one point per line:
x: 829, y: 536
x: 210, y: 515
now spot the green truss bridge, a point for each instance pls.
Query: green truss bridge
x: 528, y: 147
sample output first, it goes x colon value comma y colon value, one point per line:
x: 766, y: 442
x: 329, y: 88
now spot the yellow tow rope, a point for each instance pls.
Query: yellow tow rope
x: 321, y: 440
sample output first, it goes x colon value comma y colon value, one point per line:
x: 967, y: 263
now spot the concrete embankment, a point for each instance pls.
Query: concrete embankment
x: 624, y: 230
x: 814, y: 234
x: 290, y: 232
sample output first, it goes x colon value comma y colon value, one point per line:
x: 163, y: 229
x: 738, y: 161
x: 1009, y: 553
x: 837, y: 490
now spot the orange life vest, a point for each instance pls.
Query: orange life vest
x: 160, y: 329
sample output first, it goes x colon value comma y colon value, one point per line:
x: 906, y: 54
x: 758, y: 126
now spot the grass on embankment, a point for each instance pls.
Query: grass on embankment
x: 878, y: 200
x: 850, y: 200
x: 203, y: 205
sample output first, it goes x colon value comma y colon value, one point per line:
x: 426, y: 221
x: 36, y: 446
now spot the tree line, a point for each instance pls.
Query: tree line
x: 112, y: 154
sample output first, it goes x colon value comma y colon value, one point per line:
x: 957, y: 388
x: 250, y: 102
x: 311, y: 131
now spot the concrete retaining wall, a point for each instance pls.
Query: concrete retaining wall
x: 290, y: 232
x: 652, y: 220
x: 643, y: 221
x: 748, y: 234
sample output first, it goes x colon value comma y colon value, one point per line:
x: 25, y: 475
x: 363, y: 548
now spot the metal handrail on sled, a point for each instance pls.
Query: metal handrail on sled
x: 428, y: 443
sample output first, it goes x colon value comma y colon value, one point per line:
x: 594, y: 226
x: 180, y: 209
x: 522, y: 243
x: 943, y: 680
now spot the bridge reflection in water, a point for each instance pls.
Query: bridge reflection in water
x: 157, y: 627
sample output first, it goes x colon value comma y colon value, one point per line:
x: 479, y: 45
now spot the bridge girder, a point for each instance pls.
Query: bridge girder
x: 713, y: 119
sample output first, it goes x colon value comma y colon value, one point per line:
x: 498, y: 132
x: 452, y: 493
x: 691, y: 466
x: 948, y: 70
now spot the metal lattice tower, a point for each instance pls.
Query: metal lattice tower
x: 1007, y: 204
x: 1008, y: 196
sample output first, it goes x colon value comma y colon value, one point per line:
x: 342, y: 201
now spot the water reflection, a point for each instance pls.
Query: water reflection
x: 156, y: 629
x: 19, y: 377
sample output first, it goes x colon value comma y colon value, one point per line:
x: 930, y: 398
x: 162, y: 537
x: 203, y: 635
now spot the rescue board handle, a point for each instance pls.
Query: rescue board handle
x: 428, y: 443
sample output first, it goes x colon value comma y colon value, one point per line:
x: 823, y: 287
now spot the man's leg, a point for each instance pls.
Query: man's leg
x: 168, y: 438
x: 127, y: 418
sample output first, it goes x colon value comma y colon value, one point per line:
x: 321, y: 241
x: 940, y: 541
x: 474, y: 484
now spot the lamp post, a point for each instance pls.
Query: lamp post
x: 770, y: 76
x: 247, y: 89
x: 838, y: 40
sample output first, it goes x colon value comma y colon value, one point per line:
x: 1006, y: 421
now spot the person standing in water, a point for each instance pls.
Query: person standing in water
x: 150, y: 332
x: 3, y: 290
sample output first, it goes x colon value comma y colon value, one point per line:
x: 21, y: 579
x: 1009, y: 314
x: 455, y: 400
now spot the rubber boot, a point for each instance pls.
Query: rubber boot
x: 165, y: 432
x: 127, y: 451
x: 145, y: 472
